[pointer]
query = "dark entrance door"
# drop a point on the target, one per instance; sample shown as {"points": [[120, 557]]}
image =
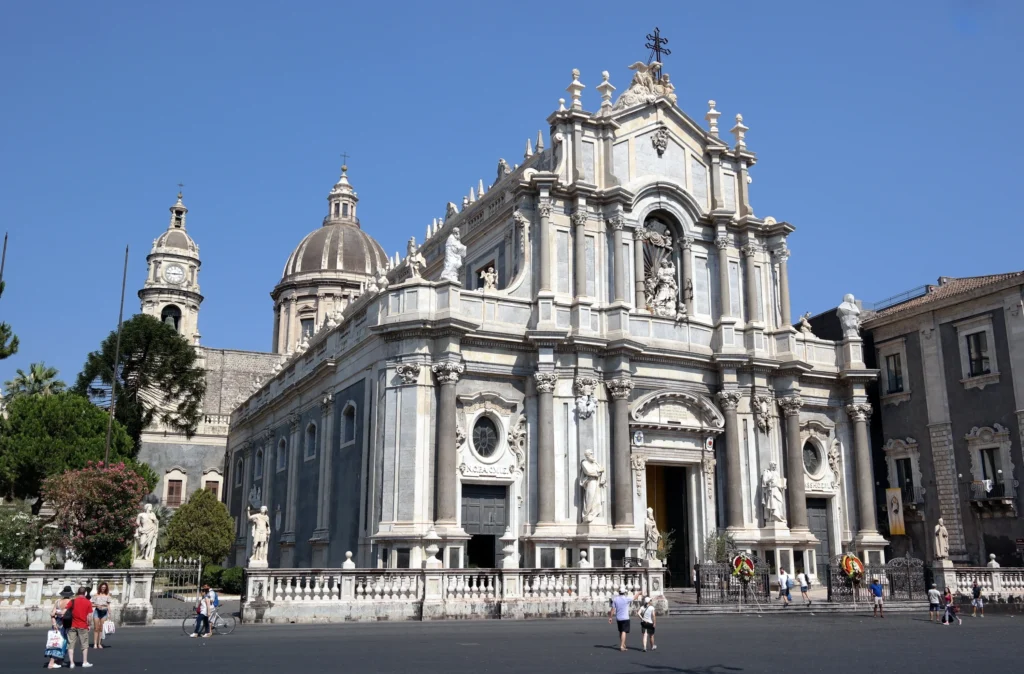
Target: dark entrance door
{"points": [[817, 520], [483, 517], [667, 494]]}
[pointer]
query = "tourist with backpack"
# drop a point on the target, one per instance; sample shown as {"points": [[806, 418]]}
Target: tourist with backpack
{"points": [[785, 585], [203, 615], [805, 585], [647, 622], [58, 615]]}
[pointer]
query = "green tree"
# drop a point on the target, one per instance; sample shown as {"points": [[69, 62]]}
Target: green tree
{"points": [[95, 511], [46, 435], [39, 380], [201, 527], [8, 340], [719, 547], [158, 380], [20, 534]]}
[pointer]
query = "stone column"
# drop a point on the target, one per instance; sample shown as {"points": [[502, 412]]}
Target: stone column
{"points": [[724, 296], [545, 382], [292, 497], [782, 254], [753, 305], [729, 401], [622, 482], [579, 221], [245, 453], [544, 236], [639, 236], [686, 253], [859, 413], [446, 493], [796, 489], [619, 259], [326, 457]]}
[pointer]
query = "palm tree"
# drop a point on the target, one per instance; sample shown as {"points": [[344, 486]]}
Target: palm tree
{"points": [[40, 380]]}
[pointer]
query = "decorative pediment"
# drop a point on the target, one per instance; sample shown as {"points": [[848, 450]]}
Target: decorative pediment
{"points": [[816, 429], [486, 400], [677, 410], [996, 435]]}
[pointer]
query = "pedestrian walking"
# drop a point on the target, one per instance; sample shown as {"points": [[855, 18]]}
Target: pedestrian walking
{"points": [[202, 617], [876, 591], [100, 606], [80, 608], [934, 605], [805, 586], [619, 612], [950, 613], [647, 622], [60, 621], [977, 603], [785, 585]]}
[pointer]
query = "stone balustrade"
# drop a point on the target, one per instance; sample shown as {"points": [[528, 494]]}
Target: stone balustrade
{"points": [[27, 597], [344, 595], [997, 584]]}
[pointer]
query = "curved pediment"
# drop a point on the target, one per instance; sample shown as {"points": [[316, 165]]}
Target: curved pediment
{"points": [[677, 409]]}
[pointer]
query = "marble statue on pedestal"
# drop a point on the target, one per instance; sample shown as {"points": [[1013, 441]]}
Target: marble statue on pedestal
{"points": [[146, 529], [652, 537], [260, 535], [771, 494], [414, 259], [592, 478], [849, 317], [454, 254], [941, 541]]}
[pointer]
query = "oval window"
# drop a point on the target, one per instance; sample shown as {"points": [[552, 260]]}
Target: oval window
{"points": [[812, 459], [485, 436]]}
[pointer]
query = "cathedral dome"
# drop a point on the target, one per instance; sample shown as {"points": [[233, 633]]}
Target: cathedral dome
{"points": [[337, 247], [176, 238]]}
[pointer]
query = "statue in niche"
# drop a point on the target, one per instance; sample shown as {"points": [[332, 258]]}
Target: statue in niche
{"points": [[592, 478], [489, 277], [662, 290], [652, 537], [771, 494], [260, 533], [454, 254], [849, 317], [941, 541], [414, 259], [147, 527]]}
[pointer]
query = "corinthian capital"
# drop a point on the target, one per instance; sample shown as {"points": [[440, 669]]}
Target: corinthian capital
{"points": [[579, 218], [791, 405], [640, 233], [858, 411], [781, 254], [729, 400], [686, 242], [544, 209], [616, 221], [545, 381], [619, 388], [721, 242], [447, 372]]}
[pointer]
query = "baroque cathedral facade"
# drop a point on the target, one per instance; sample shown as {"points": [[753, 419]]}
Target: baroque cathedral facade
{"points": [[603, 333]]}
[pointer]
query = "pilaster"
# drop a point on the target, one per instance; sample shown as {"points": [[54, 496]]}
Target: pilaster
{"points": [[622, 494]]}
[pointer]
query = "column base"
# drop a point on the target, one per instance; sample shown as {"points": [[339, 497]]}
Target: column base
{"points": [[288, 554]]}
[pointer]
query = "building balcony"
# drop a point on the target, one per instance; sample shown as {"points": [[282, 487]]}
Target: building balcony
{"points": [[913, 496], [994, 498]]}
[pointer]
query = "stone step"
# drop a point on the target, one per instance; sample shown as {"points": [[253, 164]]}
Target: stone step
{"points": [[797, 609]]}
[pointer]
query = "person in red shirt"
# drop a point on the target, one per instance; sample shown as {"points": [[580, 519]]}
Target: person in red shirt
{"points": [[80, 608]]}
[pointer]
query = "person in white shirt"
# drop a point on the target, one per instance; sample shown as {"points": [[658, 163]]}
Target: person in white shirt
{"points": [[805, 584], [647, 621], [934, 603], [784, 581]]}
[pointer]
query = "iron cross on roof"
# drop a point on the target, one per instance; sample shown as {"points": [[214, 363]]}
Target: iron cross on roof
{"points": [[655, 42]]}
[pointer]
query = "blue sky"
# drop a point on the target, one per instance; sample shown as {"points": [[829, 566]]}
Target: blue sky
{"points": [[877, 127]]}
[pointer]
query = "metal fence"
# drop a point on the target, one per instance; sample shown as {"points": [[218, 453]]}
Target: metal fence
{"points": [[902, 579], [175, 587], [716, 584]]}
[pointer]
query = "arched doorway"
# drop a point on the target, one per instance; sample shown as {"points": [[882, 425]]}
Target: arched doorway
{"points": [[171, 315]]}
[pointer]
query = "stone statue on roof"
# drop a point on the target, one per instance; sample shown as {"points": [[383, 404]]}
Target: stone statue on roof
{"points": [[454, 254], [645, 87], [849, 317]]}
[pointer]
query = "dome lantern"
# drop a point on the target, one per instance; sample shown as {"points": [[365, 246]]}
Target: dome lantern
{"points": [[342, 201]]}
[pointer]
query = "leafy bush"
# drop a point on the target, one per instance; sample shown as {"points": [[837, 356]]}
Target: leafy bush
{"points": [[719, 547], [231, 580], [202, 527], [19, 532], [211, 574]]}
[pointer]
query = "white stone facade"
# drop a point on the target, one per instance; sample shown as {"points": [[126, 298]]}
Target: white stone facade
{"points": [[640, 311]]}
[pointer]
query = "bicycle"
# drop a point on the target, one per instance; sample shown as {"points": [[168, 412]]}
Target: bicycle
{"points": [[218, 624]]}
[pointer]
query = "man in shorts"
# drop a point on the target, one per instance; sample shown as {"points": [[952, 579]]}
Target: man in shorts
{"points": [[619, 612], [977, 603], [876, 592], [934, 603]]}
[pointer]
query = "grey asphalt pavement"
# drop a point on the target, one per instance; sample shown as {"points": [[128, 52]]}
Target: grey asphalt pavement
{"points": [[687, 645]]}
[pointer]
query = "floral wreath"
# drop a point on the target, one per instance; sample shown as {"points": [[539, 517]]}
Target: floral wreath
{"points": [[852, 567], [743, 567]]}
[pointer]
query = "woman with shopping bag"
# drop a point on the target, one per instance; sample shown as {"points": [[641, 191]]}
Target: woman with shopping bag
{"points": [[57, 637]]}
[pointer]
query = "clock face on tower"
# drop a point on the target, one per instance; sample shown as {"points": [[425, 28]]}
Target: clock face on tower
{"points": [[174, 274]]}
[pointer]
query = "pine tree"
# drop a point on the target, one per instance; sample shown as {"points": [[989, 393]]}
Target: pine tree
{"points": [[8, 340]]}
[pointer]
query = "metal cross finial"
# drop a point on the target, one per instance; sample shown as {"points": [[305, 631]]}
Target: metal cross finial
{"points": [[344, 160], [655, 43]]}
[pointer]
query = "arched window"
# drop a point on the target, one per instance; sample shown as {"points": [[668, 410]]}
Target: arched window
{"points": [[282, 455], [310, 441], [171, 315], [348, 425], [239, 470], [257, 469], [344, 210], [336, 209]]}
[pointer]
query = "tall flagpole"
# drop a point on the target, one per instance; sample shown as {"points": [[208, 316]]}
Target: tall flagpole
{"points": [[117, 359]]}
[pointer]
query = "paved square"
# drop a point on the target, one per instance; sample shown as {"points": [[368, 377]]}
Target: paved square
{"points": [[687, 645]]}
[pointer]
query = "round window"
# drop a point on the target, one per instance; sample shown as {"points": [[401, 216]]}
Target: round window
{"points": [[485, 436], [812, 459]]}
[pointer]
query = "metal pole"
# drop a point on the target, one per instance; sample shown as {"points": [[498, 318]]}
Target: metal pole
{"points": [[117, 358], [3, 259]]}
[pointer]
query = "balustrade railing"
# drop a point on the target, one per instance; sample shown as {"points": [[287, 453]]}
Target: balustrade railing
{"points": [[40, 589], [996, 584]]}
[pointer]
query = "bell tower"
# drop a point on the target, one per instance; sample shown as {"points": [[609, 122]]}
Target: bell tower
{"points": [[171, 291]]}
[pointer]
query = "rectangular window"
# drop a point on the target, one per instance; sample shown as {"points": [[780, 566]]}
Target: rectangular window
{"points": [[454, 558], [547, 558], [173, 493], [213, 487], [618, 557], [905, 478], [344, 210], [307, 326], [701, 287], [402, 561], [893, 373], [757, 313], [600, 558], [977, 353], [990, 464], [735, 290]]}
